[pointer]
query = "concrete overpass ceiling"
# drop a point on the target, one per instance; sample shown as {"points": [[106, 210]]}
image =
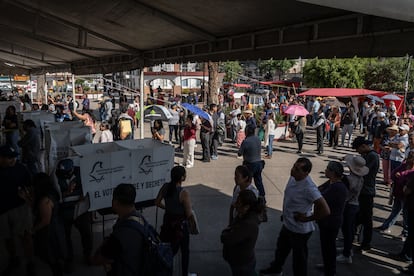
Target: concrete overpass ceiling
{"points": [[395, 9], [113, 35]]}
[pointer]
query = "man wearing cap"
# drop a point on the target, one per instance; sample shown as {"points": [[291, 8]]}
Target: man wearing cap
{"points": [[399, 147], [366, 197], [15, 214]]}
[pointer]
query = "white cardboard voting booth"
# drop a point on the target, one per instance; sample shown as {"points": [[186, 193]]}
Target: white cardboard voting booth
{"points": [[59, 137], [144, 163]]}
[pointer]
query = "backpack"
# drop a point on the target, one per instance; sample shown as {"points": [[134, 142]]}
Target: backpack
{"points": [[158, 260], [125, 128]]}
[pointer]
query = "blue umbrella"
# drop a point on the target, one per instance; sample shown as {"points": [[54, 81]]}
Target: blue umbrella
{"points": [[196, 110]]}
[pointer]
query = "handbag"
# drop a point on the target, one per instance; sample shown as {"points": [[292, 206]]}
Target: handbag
{"points": [[193, 224]]}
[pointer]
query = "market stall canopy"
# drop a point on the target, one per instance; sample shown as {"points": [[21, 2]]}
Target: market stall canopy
{"points": [[110, 36], [339, 92], [242, 85]]}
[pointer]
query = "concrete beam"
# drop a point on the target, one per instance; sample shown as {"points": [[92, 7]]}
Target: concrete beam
{"points": [[395, 9]]}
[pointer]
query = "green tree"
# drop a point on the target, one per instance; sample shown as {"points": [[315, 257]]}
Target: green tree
{"points": [[232, 70], [335, 72], [270, 67], [388, 74]]}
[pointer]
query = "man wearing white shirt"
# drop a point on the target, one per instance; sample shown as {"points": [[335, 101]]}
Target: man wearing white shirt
{"points": [[301, 196]]}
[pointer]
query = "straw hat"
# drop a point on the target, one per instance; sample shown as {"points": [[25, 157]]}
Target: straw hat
{"points": [[394, 127], [248, 111], [357, 165]]}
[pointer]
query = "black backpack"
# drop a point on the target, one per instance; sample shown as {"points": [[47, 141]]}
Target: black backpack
{"points": [[158, 257]]}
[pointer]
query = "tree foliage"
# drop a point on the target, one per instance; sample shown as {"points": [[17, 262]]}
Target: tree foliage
{"points": [[270, 66], [385, 74], [337, 73], [388, 74], [232, 70]]}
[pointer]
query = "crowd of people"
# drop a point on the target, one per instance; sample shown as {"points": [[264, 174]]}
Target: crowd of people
{"points": [[40, 214]]}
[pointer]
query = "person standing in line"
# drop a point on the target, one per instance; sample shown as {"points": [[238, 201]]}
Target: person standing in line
{"points": [[243, 181], [189, 142], [85, 103], [335, 119], [48, 230], [30, 144], [270, 135], [354, 182], [400, 177], [366, 197], [409, 243], [301, 197], [300, 127], [205, 134], [11, 128], [106, 133], [349, 120], [315, 108], [319, 125], [250, 119], [399, 146], [250, 149], [123, 252], [15, 213], [173, 124], [239, 238], [158, 131], [70, 185], [241, 133], [181, 127], [136, 108], [218, 133], [390, 136], [178, 211], [334, 192]]}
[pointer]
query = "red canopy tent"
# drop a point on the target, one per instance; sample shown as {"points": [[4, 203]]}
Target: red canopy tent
{"points": [[353, 92], [340, 92], [242, 85]]}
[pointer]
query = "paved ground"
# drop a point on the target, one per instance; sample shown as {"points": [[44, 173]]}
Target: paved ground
{"points": [[211, 184]]}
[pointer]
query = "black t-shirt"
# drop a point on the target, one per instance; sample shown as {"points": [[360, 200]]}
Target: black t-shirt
{"points": [[11, 179]]}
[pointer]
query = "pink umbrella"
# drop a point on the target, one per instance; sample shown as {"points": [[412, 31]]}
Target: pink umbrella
{"points": [[296, 110]]}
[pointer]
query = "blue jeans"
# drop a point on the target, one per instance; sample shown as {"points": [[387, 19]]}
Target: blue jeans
{"points": [[270, 145], [397, 206], [348, 227], [244, 270], [256, 169]]}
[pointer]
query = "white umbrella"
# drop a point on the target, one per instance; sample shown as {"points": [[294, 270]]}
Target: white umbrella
{"points": [[391, 97]]}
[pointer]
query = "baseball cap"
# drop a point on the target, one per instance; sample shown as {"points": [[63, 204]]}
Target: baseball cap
{"points": [[359, 141], [7, 151]]}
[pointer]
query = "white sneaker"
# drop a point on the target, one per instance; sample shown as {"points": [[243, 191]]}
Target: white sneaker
{"points": [[344, 260]]}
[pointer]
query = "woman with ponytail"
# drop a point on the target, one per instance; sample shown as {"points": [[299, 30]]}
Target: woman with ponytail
{"points": [[239, 238], [177, 204]]}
